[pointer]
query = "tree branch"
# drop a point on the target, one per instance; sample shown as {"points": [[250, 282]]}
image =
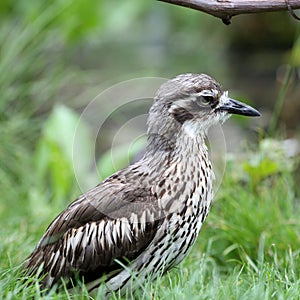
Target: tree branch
{"points": [[225, 9]]}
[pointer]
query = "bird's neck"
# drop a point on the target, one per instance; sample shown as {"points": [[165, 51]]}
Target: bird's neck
{"points": [[182, 148], [181, 174], [193, 146]]}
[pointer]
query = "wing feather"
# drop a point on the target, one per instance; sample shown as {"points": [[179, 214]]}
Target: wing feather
{"points": [[97, 229]]}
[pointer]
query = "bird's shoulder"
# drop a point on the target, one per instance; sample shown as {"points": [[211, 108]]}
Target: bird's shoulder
{"points": [[125, 195]]}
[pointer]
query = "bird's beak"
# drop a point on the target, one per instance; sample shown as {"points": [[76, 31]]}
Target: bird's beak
{"points": [[235, 107]]}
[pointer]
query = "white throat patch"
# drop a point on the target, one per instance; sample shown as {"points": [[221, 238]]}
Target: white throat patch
{"points": [[192, 129]]}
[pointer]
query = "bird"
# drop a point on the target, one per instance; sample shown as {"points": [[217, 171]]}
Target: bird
{"points": [[142, 221]]}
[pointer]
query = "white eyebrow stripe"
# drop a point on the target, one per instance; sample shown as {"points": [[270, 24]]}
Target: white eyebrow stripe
{"points": [[214, 93]]}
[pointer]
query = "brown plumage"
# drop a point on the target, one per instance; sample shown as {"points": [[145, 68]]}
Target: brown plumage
{"points": [[148, 215]]}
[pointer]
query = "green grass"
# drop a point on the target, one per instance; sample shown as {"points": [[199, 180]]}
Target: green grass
{"points": [[248, 248]]}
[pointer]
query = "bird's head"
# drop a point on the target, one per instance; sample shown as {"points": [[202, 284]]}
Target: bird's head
{"points": [[193, 102]]}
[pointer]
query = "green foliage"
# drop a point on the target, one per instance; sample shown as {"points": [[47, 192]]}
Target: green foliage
{"points": [[24, 69], [25, 73], [271, 159], [119, 157], [293, 63], [256, 218], [295, 52], [260, 168], [54, 153], [75, 18]]}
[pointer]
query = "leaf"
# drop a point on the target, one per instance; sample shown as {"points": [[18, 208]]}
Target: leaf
{"points": [[261, 169], [54, 154]]}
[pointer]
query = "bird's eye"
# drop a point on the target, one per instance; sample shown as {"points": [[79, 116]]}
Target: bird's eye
{"points": [[209, 99], [205, 100]]}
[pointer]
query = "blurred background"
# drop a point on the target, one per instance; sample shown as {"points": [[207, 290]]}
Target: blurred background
{"points": [[56, 56]]}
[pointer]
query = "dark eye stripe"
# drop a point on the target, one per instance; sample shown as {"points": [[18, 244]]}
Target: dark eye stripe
{"points": [[181, 115]]}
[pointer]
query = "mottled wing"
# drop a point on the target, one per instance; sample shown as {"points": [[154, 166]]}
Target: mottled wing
{"points": [[113, 221]]}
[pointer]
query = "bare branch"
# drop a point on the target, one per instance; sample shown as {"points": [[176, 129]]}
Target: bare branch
{"points": [[225, 9]]}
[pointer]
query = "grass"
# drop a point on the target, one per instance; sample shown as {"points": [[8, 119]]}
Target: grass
{"points": [[248, 249]]}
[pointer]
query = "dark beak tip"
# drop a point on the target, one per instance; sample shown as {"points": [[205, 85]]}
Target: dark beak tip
{"points": [[254, 113]]}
